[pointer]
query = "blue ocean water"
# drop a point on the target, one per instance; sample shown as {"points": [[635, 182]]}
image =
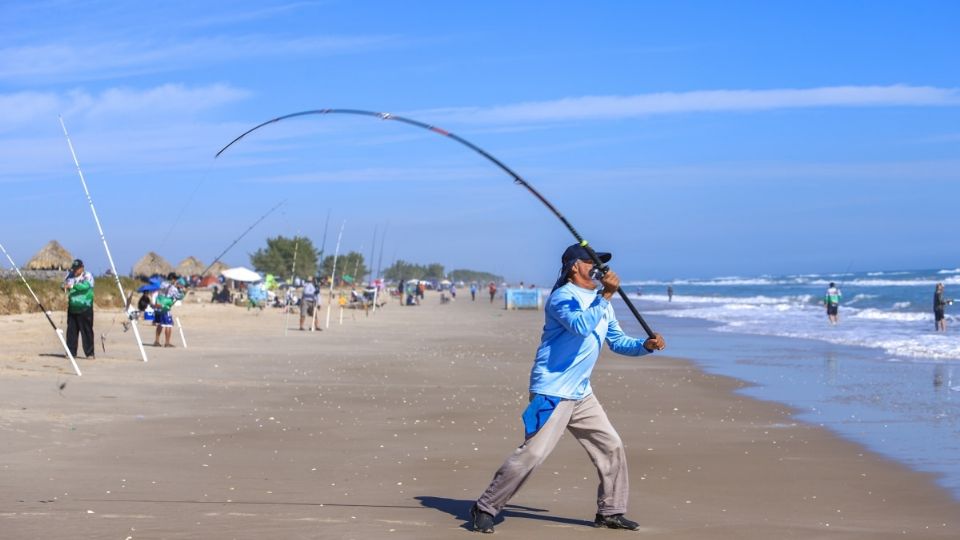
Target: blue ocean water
{"points": [[882, 377]]}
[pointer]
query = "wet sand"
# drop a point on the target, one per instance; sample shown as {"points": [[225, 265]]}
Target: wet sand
{"points": [[388, 426]]}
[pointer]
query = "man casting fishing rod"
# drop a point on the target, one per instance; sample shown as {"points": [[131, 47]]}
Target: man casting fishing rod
{"points": [[579, 318]]}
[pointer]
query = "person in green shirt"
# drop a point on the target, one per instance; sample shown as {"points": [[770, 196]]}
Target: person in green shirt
{"points": [[832, 300], [79, 287], [166, 297]]}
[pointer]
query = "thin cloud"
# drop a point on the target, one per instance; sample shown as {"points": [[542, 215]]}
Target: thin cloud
{"points": [[164, 99], [168, 100], [381, 174], [234, 16], [640, 105], [750, 172], [67, 61]]}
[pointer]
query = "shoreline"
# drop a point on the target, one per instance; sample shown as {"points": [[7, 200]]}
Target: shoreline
{"points": [[859, 393], [390, 425]]}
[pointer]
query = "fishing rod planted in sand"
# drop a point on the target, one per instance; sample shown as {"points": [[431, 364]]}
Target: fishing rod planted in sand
{"points": [[333, 275], [103, 238], [250, 228], [59, 332], [516, 178], [293, 277]]}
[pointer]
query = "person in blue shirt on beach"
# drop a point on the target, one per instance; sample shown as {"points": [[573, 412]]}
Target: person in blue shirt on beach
{"points": [[579, 318]]}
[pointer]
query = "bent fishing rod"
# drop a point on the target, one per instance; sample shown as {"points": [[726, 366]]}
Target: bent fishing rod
{"points": [[516, 178], [250, 228], [59, 332]]}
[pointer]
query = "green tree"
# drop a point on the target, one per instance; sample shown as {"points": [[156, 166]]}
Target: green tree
{"points": [[472, 275], [277, 257], [349, 264], [434, 271], [403, 270]]}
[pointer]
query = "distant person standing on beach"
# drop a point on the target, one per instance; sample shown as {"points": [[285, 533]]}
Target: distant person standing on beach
{"points": [[669, 293], [579, 318], [473, 291], [832, 300], [492, 287], [939, 303], [167, 296], [401, 289], [79, 287], [308, 303]]}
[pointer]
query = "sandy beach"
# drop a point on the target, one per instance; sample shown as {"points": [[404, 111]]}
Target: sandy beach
{"points": [[390, 425]]}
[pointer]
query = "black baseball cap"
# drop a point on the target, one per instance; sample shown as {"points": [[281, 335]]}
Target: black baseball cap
{"points": [[77, 263], [577, 252]]}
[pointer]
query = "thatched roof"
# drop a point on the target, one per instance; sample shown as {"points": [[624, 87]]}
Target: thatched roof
{"points": [[53, 256], [190, 266], [151, 264], [216, 269]]}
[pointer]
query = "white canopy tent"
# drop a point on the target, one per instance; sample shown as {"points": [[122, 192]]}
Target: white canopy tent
{"points": [[241, 273]]}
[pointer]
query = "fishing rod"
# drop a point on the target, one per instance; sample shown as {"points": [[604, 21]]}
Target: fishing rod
{"points": [[373, 252], [356, 267], [59, 332], [323, 244], [103, 238], [376, 290], [516, 178], [250, 228], [380, 258], [333, 275], [293, 277]]}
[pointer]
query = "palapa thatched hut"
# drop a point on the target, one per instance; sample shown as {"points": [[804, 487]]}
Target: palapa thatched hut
{"points": [[217, 268], [191, 266], [151, 264], [53, 256]]}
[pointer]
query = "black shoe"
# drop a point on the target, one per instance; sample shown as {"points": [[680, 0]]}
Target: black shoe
{"points": [[616, 521], [482, 521]]}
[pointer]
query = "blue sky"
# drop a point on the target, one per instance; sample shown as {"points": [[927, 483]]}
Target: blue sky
{"points": [[689, 138]]}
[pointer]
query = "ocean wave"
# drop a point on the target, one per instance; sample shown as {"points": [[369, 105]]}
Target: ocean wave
{"points": [[900, 305], [880, 315], [955, 280], [861, 297], [712, 282], [907, 335], [760, 300]]}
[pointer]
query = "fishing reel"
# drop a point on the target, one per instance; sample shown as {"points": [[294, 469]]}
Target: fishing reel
{"points": [[597, 272]]}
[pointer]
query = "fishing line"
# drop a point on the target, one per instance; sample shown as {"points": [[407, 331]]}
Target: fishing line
{"points": [[183, 208], [130, 321], [250, 228], [516, 178]]}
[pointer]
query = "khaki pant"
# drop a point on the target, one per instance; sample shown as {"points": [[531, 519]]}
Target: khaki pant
{"points": [[588, 423]]}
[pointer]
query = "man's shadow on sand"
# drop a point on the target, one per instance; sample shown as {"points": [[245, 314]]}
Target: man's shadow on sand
{"points": [[460, 509]]}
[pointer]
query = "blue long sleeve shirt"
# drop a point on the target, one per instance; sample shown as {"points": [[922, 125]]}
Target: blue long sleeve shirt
{"points": [[578, 321]]}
